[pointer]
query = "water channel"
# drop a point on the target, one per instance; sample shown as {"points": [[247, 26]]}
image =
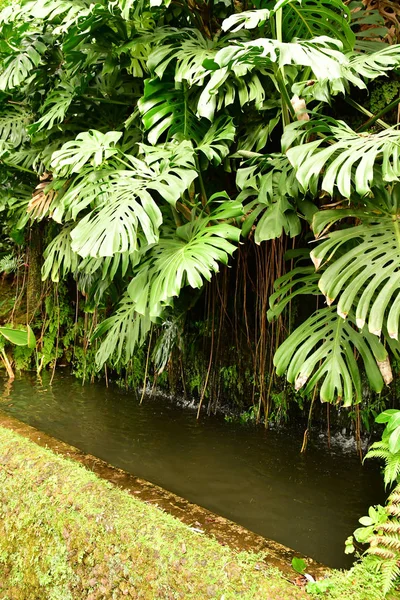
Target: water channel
{"points": [[259, 479]]}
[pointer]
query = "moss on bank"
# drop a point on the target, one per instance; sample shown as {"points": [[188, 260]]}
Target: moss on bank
{"points": [[66, 534]]}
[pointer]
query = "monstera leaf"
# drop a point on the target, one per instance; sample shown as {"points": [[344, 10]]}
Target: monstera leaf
{"points": [[361, 267], [185, 51], [303, 19], [92, 146], [326, 351], [301, 280], [306, 19], [54, 108], [188, 257], [124, 331], [349, 163], [125, 201], [321, 351], [50, 9], [217, 140], [248, 19], [272, 181], [166, 109], [59, 257], [17, 67], [13, 125]]}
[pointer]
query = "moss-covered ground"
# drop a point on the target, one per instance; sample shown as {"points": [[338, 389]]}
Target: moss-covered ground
{"points": [[66, 534]]}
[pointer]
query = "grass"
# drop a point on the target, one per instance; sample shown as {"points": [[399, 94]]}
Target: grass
{"points": [[65, 534]]}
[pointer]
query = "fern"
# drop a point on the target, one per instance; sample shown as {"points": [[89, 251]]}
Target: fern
{"points": [[385, 544], [9, 264], [392, 461]]}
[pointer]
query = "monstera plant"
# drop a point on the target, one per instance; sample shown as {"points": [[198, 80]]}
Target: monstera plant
{"points": [[155, 135]]}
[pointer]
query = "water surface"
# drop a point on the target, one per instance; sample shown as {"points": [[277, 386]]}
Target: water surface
{"points": [[259, 479]]}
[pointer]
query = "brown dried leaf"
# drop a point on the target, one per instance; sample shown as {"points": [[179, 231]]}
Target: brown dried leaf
{"points": [[386, 370]]}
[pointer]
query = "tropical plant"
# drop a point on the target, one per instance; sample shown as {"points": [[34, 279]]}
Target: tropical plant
{"points": [[18, 337], [381, 527], [126, 121]]}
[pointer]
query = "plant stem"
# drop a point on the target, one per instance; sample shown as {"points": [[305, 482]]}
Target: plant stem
{"points": [[202, 188], [376, 118], [105, 100], [287, 109], [7, 365], [366, 112]]}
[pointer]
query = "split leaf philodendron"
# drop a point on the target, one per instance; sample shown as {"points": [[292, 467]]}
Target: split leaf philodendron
{"points": [[157, 137]]}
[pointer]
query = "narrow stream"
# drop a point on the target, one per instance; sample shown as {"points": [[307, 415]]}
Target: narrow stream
{"points": [[259, 479]]}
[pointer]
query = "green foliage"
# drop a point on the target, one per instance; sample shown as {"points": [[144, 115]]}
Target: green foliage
{"points": [[381, 528], [299, 565], [163, 133], [388, 448], [9, 264], [19, 337]]}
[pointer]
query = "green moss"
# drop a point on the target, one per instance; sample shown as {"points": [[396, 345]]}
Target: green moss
{"points": [[65, 534]]}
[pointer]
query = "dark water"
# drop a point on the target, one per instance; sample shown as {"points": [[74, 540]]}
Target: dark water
{"points": [[256, 478]]}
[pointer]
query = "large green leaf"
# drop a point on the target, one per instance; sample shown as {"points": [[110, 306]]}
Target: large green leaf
{"points": [[247, 19], [56, 106], [237, 66], [188, 257], [306, 19], [14, 121], [302, 19], [16, 68], [166, 109], [341, 158], [272, 181], [321, 351], [19, 337], [331, 71], [301, 280], [123, 332], [59, 257], [125, 198], [50, 10], [92, 146], [216, 142], [361, 268], [185, 50]]}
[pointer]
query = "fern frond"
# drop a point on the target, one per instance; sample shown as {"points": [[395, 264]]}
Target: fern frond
{"points": [[383, 553], [390, 573], [394, 510], [392, 461], [389, 540], [385, 543], [391, 526]]}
